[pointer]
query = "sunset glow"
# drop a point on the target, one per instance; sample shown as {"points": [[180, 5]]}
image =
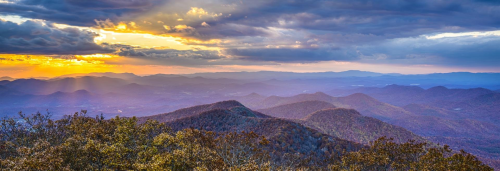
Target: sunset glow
{"points": [[283, 84], [227, 37]]}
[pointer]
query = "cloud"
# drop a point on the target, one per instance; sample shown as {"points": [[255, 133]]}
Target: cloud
{"points": [[197, 11], [391, 19], [394, 18], [77, 12], [36, 37], [359, 18], [291, 55], [472, 51], [171, 56], [464, 51], [391, 31]]}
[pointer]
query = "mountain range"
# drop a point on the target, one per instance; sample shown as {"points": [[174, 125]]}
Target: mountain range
{"points": [[232, 116], [404, 95], [349, 124], [355, 107], [324, 131], [6, 78], [297, 110], [344, 123], [438, 123], [366, 105]]}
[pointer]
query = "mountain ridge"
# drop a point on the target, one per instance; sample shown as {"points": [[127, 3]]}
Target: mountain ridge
{"points": [[363, 103], [194, 110], [296, 110], [403, 95], [232, 116], [349, 124]]}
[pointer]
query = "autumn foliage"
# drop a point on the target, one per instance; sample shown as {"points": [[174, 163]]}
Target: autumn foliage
{"points": [[79, 142]]}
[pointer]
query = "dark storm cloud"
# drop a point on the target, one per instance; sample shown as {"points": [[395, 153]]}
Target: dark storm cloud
{"points": [[76, 12], [469, 51], [130, 51], [344, 23], [228, 30], [291, 55], [36, 38], [392, 17], [170, 56], [370, 31], [388, 31]]}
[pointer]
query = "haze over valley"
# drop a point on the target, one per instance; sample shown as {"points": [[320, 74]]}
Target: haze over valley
{"points": [[268, 85], [355, 106]]}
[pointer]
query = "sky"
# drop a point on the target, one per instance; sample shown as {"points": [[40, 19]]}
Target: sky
{"points": [[47, 38]]}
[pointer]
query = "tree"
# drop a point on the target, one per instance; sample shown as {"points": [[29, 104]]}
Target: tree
{"points": [[79, 142], [385, 154]]}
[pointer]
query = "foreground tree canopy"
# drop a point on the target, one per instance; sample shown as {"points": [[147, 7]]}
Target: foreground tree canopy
{"points": [[79, 142]]}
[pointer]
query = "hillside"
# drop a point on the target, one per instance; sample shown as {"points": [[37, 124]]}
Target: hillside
{"points": [[427, 110], [483, 108], [273, 101], [80, 142], [250, 99], [486, 148], [7, 91], [297, 110], [284, 135], [134, 89], [195, 110], [436, 126], [400, 95], [369, 106], [43, 87], [365, 104], [350, 125]]}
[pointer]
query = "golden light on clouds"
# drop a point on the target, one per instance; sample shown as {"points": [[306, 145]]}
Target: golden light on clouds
{"points": [[124, 33], [202, 42], [145, 40], [167, 27], [25, 66], [49, 66], [200, 12], [96, 56], [121, 27], [183, 28], [53, 61], [133, 24]]}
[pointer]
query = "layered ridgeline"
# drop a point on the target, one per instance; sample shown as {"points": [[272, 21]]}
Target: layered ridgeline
{"points": [[212, 139], [462, 118], [473, 118], [350, 125], [403, 95], [457, 104], [296, 110], [196, 110], [338, 128], [344, 123], [284, 135], [470, 124], [365, 104]]}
